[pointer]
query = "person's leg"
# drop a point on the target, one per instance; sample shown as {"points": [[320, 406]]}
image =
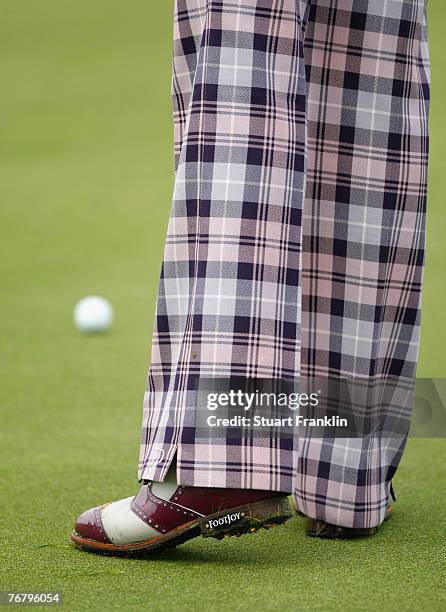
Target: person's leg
{"points": [[229, 299], [363, 238], [229, 296]]}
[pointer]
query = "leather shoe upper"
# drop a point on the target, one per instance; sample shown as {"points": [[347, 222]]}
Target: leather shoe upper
{"points": [[89, 525]]}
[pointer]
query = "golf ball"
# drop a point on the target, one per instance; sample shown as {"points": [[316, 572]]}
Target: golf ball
{"points": [[93, 314]]}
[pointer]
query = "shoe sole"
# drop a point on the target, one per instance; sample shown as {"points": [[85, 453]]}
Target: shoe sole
{"points": [[320, 529], [228, 523]]}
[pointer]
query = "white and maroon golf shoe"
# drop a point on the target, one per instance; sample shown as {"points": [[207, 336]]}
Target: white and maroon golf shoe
{"points": [[163, 515]]}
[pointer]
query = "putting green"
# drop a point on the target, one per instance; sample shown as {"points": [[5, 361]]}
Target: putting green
{"points": [[85, 186]]}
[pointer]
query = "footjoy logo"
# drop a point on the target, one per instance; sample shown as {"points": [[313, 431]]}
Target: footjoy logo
{"points": [[224, 520]]}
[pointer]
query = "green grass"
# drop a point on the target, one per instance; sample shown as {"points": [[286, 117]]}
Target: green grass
{"points": [[85, 187]]}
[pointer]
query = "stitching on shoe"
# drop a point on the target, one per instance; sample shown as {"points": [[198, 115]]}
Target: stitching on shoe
{"points": [[99, 524], [157, 501], [161, 502]]}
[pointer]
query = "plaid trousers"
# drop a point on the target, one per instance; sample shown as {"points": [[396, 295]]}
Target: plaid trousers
{"points": [[295, 243]]}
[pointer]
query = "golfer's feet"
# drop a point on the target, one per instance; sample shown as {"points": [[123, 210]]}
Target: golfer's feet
{"points": [[320, 529], [162, 515]]}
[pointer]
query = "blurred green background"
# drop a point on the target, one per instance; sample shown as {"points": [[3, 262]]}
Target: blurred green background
{"points": [[86, 177]]}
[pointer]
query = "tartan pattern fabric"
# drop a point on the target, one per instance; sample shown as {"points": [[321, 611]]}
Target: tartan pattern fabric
{"points": [[295, 242], [363, 233]]}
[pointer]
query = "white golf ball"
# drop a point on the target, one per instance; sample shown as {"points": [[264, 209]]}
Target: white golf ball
{"points": [[93, 314]]}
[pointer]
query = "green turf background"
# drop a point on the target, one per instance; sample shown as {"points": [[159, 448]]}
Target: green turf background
{"points": [[85, 188]]}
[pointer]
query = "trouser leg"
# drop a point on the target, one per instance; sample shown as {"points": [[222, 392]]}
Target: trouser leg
{"points": [[363, 234], [229, 297]]}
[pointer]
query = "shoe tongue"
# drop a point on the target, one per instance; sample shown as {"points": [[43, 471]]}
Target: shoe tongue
{"points": [[165, 490]]}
